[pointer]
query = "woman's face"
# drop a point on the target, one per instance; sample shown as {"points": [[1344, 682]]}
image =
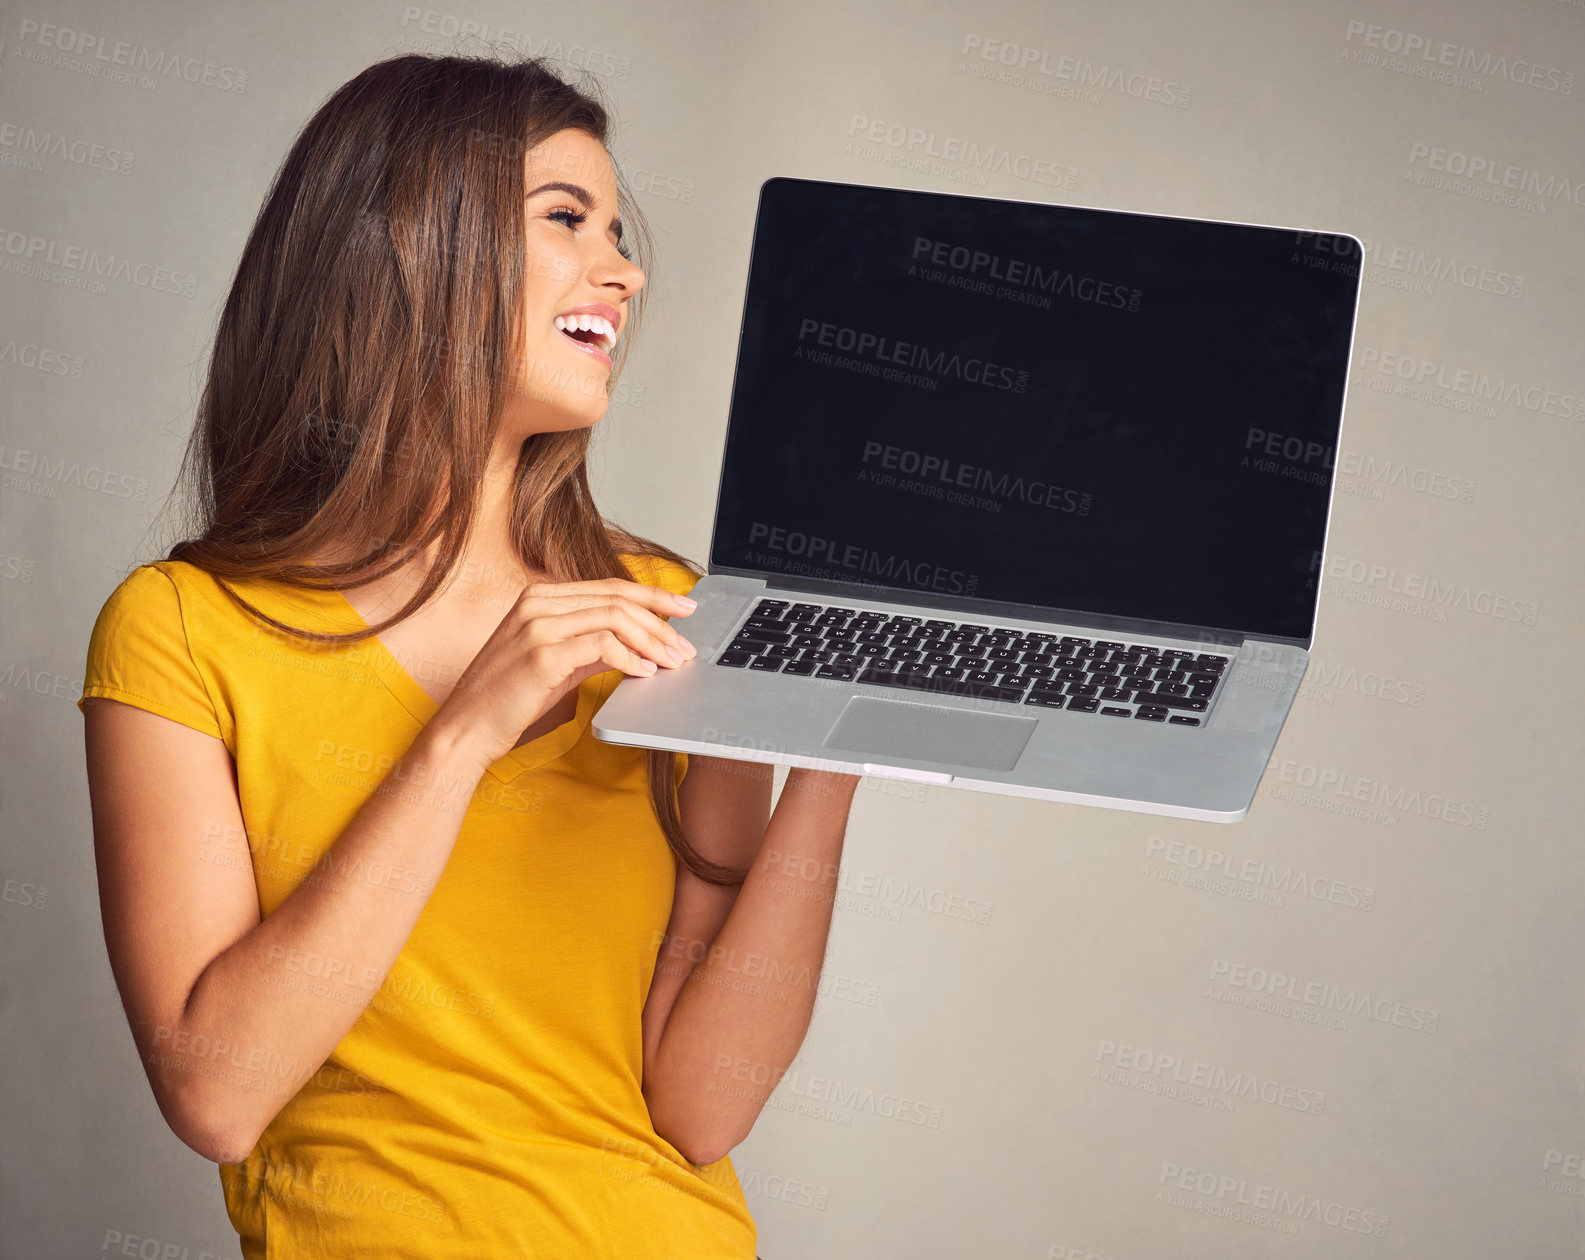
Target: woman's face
{"points": [[574, 275]]}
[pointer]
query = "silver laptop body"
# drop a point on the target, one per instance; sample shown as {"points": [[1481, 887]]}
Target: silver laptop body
{"points": [[1016, 497]]}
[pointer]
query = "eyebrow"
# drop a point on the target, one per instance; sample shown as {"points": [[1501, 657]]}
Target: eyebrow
{"points": [[583, 195]]}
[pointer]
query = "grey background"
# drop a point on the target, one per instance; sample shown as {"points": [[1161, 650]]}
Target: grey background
{"points": [[958, 1093]]}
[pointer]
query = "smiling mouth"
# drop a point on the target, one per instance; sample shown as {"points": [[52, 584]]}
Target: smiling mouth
{"points": [[591, 333]]}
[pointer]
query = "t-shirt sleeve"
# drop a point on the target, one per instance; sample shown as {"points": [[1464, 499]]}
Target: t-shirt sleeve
{"points": [[139, 653]]}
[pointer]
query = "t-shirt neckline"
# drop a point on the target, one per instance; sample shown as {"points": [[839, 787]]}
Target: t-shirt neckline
{"points": [[407, 692]]}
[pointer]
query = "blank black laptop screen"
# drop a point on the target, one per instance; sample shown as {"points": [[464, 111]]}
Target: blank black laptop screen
{"points": [[1054, 406]]}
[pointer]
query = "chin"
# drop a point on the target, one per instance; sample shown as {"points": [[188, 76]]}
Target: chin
{"points": [[559, 411]]}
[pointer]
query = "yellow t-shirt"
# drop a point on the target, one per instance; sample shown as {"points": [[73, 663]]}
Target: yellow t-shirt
{"points": [[487, 1101]]}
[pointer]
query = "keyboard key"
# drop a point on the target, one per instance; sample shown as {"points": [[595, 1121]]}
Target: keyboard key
{"points": [[1047, 699], [783, 651], [770, 664], [1196, 704], [1151, 715], [1082, 689], [766, 605], [1184, 721], [1115, 693], [1083, 704], [800, 667], [761, 635], [735, 658], [845, 673], [1116, 712]]}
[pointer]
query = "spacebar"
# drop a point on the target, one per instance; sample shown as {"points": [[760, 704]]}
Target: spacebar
{"points": [[940, 686]]}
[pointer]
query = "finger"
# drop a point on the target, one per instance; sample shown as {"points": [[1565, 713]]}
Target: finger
{"points": [[639, 630], [562, 657], [530, 609], [656, 598]]}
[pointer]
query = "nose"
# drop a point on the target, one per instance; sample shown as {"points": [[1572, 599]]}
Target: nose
{"points": [[614, 271]]}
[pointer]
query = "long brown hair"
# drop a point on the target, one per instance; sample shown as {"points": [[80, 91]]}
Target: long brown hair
{"points": [[356, 380]]}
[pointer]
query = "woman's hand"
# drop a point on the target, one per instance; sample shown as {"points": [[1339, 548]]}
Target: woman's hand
{"points": [[553, 637]]}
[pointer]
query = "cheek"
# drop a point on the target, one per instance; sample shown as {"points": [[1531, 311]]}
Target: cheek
{"points": [[549, 263]]}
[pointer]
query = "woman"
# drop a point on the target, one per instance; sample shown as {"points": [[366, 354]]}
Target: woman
{"points": [[427, 969]]}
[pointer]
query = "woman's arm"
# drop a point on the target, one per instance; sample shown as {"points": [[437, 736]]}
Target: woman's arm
{"points": [[744, 995], [226, 1030], [225, 1027]]}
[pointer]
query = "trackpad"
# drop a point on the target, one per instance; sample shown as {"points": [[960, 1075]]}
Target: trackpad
{"points": [[930, 732]]}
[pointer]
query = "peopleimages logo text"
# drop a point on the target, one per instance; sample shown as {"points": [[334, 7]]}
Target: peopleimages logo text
{"points": [[855, 557], [1274, 1199], [1052, 280], [952, 472], [883, 349], [1328, 996]]}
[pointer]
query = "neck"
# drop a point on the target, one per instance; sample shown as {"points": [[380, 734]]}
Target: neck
{"points": [[488, 565]]}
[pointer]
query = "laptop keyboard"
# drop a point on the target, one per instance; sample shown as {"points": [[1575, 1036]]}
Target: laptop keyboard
{"points": [[1025, 667]]}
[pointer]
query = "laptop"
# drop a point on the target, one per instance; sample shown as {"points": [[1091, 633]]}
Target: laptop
{"points": [[1016, 497]]}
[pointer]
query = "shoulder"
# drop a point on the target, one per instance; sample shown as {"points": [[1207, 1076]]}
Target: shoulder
{"points": [[159, 583], [148, 649], [173, 602], [147, 592], [659, 571]]}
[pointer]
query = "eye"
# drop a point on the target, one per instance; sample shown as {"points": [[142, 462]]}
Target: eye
{"points": [[576, 218]]}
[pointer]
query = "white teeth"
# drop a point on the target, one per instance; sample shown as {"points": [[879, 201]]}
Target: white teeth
{"points": [[584, 322]]}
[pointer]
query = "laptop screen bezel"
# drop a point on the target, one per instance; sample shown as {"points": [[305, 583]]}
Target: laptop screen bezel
{"points": [[972, 605]]}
